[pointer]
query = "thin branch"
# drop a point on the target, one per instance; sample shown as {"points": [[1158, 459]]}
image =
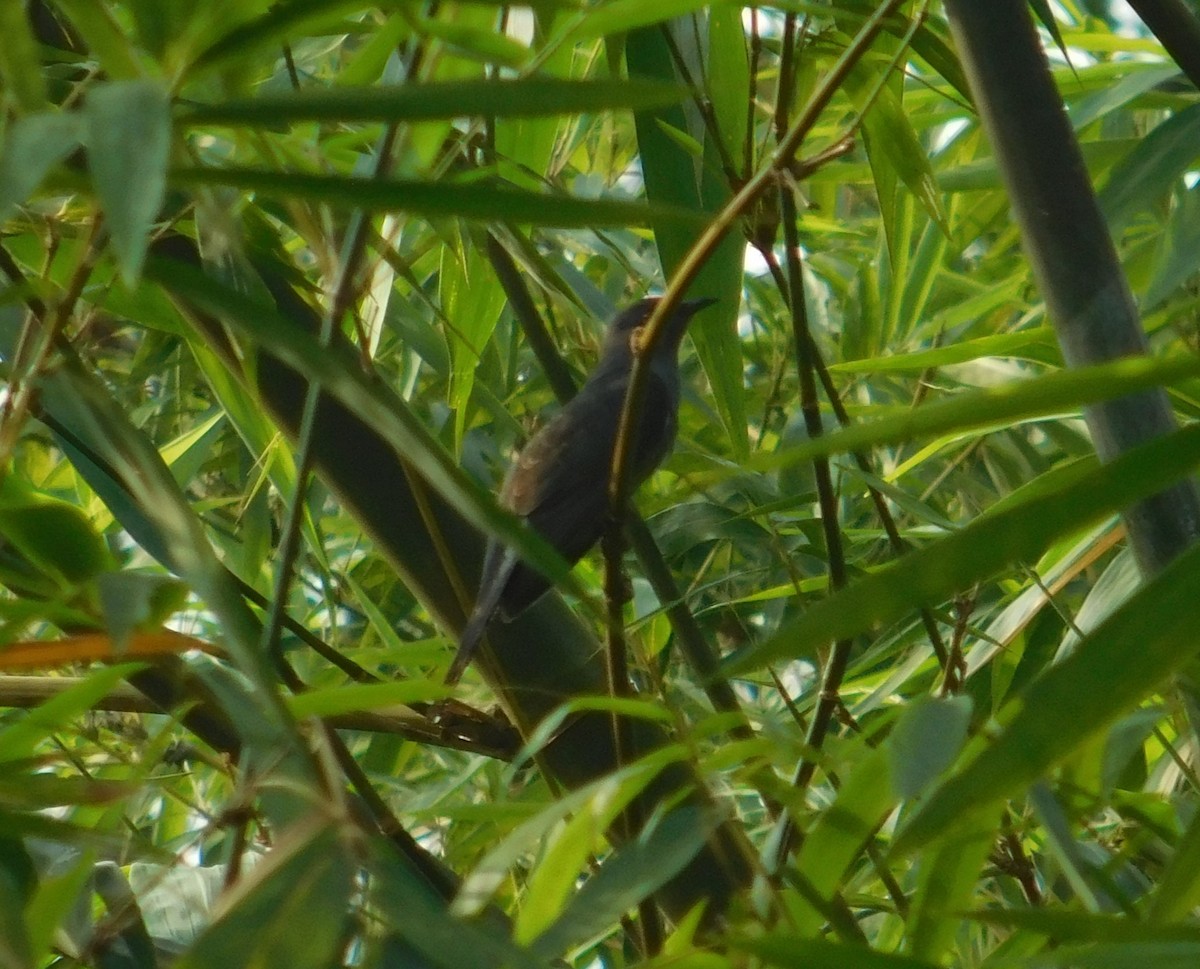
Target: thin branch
{"points": [[42, 332], [895, 540], [839, 656], [700, 656], [536, 334], [469, 732], [353, 248], [650, 932], [612, 546], [716, 231]]}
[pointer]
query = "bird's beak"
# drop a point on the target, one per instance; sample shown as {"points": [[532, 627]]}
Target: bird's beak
{"points": [[683, 314], [694, 306]]}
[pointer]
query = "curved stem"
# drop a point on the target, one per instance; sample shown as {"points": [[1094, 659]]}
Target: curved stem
{"points": [[715, 232]]}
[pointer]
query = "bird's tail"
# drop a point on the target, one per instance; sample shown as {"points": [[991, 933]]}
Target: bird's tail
{"points": [[467, 645], [494, 581]]}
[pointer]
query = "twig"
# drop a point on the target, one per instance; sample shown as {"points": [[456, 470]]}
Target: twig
{"points": [[352, 249], [713, 235]]}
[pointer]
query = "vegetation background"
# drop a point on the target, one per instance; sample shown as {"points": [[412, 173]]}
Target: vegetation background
{"points": [[902, 698]]}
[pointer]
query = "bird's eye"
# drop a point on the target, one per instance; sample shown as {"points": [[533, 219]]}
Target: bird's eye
{"points": [[635, 339]]}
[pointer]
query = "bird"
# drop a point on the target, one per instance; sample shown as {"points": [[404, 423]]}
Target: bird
{"points": [[559, 481]]}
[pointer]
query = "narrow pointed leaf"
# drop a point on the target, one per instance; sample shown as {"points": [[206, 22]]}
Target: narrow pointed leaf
{"points": [[438, 199], [1019, 533], [520, 98], [1073, 701], [128, 140]]}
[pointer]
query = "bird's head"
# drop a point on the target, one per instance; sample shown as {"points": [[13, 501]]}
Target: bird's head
{"points": [[628, 323]]}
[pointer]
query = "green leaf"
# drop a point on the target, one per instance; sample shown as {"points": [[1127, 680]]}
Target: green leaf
{"points": [[625, 16], [290, 911], [925, 741], [1072, 701], [1177, 892], [552, 884], [472, 301], [947, 880], [1061, 845], [364, 696], [729, 81], [17, 882], [32, 146], [157, 23], [57, 894], [1019, 533], [1181, 249], [18, 740], [105, 38], [1074, 926], [39, 792], [1141, 78], [799, 952], [634, 873], [20, 65], [893, 144], [270, 29], [1044, 14], [587, 812], [1130, 955], [407, 904], [186, 454], [1155, 164], [1034, 344], [138, 602], [81, 401], [53, 535], [1050, 394], [676, 182], [438, 199], [389, 415], [840, 831], [531, 97], [128, 140]]}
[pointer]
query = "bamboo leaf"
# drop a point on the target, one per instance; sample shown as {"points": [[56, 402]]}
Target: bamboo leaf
{"points": [[678, 181], [798, 952], [438, 199], [1071, 702], [1054, 393], [32, 146], [306, 880], [128, 139], [1146, 174], [628, 877], [532, 97], [386, 413], [20, 65], [1019, 533], [18, 740]]}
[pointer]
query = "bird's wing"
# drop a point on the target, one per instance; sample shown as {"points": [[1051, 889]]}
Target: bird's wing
{"points": [[569, 456], [559, 483], [560, 480]]}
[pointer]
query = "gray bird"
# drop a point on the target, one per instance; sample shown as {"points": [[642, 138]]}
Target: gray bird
{"points": [[559, 482]]}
